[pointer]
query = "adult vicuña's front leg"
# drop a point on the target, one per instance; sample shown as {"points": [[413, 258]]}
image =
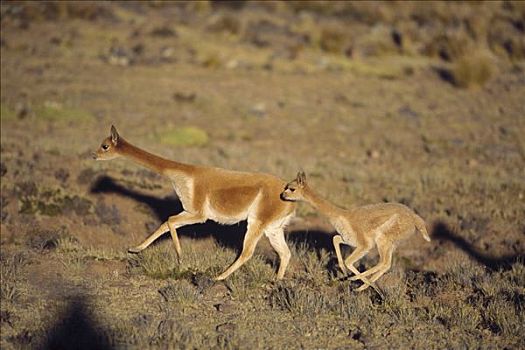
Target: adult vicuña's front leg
{"points": [[159, 232], [277, 241], [253, 234], [174, 222]]}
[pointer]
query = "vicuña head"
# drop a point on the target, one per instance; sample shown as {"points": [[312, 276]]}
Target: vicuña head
{"points": [[109, 147], [294, 190]]}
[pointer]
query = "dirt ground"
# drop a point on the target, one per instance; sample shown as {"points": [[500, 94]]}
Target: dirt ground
{"points": [[419, 103]]}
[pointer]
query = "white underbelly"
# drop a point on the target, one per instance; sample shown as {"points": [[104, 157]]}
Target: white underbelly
{"points": [[346, 231], [224, 219], [212, 213]]}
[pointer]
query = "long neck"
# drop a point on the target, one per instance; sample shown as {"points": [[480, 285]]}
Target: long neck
{"points": [[149, 160], [324, 206]]}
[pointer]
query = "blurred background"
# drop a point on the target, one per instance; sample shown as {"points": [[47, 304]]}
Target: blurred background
{"points": [[414, 102]]}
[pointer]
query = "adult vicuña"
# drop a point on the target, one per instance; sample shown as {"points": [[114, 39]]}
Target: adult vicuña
{"points": [[217, 194], [383, 225]]}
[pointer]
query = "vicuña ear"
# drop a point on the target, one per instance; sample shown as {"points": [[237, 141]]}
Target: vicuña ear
{"points": [[301, 178], [114, 135]]}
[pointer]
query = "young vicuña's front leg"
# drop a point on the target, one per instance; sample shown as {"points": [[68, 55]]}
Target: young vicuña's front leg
{"points": [[171, 225], [337, 240], [253, 234]]}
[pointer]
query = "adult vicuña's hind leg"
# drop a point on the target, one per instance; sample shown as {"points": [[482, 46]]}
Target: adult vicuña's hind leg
{"points": [[171, 225], [253, 234], [277, 241], [385, 248]]}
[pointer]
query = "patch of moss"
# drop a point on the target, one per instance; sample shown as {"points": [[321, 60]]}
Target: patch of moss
{"points": [[58, 112], [186, 136], [6, 113]]}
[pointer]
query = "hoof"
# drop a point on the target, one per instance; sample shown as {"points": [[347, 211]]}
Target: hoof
{"points": [[134, 250]]}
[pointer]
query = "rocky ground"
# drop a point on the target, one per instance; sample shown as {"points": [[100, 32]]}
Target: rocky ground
{"points": [[418, 103]]}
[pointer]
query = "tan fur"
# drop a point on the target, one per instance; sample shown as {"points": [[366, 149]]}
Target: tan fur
{"points": [[217, 194], [381, 225]]}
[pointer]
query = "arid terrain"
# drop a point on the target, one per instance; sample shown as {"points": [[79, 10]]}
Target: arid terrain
{"points": [[414, 102]]}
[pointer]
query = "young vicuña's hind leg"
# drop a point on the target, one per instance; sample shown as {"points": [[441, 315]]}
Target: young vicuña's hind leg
{"points": [[382, 245], [171, 225], [385, 247], [277, 241], [253, 234], [357, 254]]}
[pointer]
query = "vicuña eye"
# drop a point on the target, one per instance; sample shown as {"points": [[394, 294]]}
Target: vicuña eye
{"points": [[292, 189], [105, 147]]}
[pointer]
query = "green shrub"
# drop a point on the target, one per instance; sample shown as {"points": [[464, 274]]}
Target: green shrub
{"points": [[185, 136]]}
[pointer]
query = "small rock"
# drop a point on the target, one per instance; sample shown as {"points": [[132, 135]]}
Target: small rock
{"points": [[217, 290], [227, 306], [472, 163], [186, 97], [163, 32], [202, 281], [142, 320], [22, 110], [62, 175], [374, 154], [259, 110], [355, 334], [167, 53], [224, 23], [232, 64], [408, 112], [342, 99], [226, 327], [138, 49]]}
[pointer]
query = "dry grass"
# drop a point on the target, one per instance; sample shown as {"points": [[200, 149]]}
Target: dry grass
{"points": [[267, 91]]}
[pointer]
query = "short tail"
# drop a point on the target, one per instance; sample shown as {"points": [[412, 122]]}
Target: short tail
{"points": [[421, 227]]}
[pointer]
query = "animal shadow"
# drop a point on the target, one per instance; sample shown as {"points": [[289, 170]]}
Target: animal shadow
{"points": [[319, 241], [443, 232], [76, 329], [228, 236]]}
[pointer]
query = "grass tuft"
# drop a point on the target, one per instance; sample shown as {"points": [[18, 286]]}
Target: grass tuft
{"points": [[472, 70], [10, 267], [181, 293], [300, 299]]}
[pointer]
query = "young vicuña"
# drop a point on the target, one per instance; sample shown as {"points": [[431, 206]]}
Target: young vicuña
{"points": [[382, 225], [217, 194]]}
